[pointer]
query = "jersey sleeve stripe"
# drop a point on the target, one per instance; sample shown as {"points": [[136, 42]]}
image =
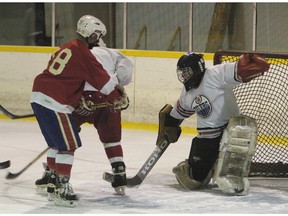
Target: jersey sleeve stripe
{"points": [[183, 112]]}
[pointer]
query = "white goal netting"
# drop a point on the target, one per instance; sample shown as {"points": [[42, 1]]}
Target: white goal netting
{"points": [[266, 99]]}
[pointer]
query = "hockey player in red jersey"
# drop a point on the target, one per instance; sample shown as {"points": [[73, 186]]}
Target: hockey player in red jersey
{"points": [[104, 112], [225, 143], [56, 93]]}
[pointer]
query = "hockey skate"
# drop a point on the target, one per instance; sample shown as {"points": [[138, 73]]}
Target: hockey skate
{"points": [[64, 195], [47, 183], [42, 183], [51, 186], [120, 181]]}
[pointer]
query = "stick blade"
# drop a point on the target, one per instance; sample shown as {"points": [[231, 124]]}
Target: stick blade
{"points": [[13, 116], [5, 164], [131, 182], [136, 181], [12, 175]]}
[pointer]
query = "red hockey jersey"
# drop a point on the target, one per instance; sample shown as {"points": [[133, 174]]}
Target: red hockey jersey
{"points": [[61, 84]]}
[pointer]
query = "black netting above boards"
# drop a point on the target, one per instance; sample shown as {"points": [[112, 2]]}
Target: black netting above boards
{"points": [[266, 100]]}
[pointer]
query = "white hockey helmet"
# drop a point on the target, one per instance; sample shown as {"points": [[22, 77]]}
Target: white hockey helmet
{"points": [[89, 24]]}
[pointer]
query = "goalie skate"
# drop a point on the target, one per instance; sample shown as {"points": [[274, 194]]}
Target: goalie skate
{"points": [[181, 173], [237, 148]]}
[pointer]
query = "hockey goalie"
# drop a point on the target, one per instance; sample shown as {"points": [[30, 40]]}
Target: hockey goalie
{"points": [[225, 144]]}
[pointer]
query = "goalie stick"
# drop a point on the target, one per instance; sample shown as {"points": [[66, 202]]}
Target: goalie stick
{"points": [[145, 169], [5, 164], [15, 175], [13, 116]]}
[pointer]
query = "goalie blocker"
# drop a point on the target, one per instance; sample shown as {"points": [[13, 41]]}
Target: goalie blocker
{"points": [[237, 148]]}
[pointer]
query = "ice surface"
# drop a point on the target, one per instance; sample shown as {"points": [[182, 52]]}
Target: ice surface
{"points": [[21, 141]]}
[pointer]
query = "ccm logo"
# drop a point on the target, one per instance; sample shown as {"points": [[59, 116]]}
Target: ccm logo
{"points": [[154, 157]]}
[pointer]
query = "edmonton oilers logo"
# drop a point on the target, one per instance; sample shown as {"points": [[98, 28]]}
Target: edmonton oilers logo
{"points": [[202, 106]]}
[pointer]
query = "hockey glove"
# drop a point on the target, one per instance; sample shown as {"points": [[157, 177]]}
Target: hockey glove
{"points": [[169, 127], [121, 102], [84, 107], [251, 66]]}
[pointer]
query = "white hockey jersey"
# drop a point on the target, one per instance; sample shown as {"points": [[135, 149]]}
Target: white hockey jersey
{"points": [[213, 101], [118, 66]]}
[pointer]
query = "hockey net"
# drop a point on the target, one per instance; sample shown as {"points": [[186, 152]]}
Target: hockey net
{"points": [[266, 100]]}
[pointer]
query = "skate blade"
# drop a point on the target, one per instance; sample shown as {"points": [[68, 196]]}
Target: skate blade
{"points": [[120, 190], [51, 196], [42, 190], [65, 203]]}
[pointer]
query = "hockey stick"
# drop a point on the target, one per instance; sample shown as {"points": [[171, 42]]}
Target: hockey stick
{"points": [[15, 175], [13, 116], [145, 169], [5, 164]]}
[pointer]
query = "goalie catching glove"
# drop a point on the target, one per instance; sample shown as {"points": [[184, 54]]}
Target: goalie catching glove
{"points": [[251, 66], [169, 127]]}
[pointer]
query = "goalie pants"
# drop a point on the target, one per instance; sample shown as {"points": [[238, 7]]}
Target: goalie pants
{"points": [[203, 155]]}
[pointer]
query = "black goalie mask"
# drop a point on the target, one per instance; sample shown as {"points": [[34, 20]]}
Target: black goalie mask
{"points": [[190, 70]]}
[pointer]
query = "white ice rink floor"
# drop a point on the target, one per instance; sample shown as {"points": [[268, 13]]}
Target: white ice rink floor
{"points": [[21, 141]]}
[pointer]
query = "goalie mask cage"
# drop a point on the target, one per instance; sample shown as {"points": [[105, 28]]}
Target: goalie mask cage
{"points": [[266, 100]]}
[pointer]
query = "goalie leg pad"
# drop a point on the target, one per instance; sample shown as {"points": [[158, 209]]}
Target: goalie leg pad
{"points": [[237, 148]]}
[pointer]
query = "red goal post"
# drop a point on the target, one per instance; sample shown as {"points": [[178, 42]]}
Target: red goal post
{"points": [[266, 99]]}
